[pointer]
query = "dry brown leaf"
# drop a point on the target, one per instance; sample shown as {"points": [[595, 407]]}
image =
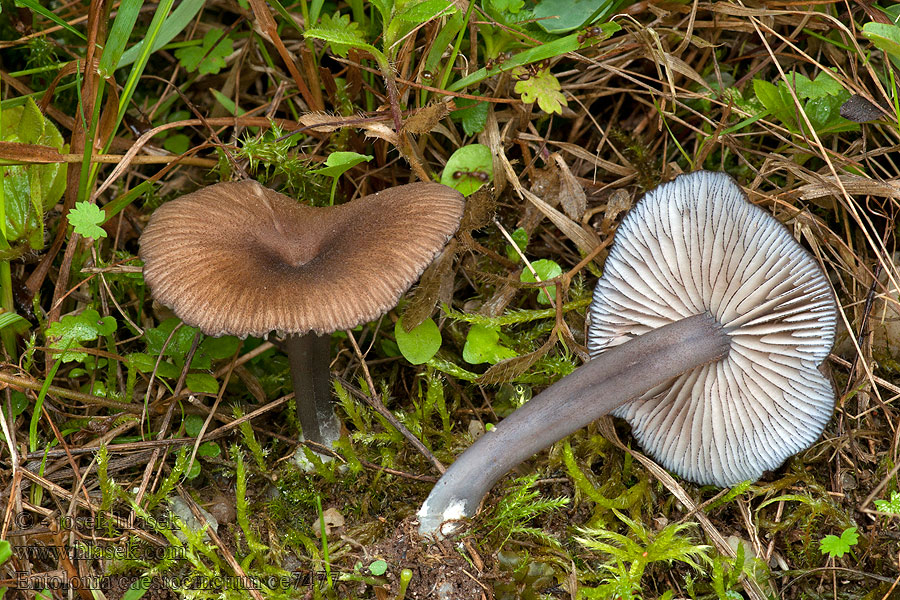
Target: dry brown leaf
{"points": [[479, 211], [382, 132], [509, 369], [854, 184], [29, 153], [426, 119], [431, 284], [322, 122], [571, 194]]}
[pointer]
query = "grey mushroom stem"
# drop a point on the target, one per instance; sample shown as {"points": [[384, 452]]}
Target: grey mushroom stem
{"points": [[310, 356], [620, 374]]}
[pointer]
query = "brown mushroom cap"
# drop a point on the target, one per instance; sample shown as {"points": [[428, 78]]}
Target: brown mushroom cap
{"points": [[240, 259]]}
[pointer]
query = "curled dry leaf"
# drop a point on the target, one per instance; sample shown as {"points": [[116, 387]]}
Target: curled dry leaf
{"points": [[479, 210], [509, 369], [332, 518], [322, 122], [436, 282], [425, 119], [571, 194], [382, 132]]}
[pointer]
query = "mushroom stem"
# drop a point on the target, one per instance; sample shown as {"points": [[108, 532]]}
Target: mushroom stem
{"points": [[618, 375], [310, 356]]}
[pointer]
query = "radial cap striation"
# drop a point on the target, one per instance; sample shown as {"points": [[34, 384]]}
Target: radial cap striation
{"points": [[241, 259], [698, 245]]}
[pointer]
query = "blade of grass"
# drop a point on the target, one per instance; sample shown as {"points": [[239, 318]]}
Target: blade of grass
{"points": [[176, 22], [47, 13], [119, 33]]}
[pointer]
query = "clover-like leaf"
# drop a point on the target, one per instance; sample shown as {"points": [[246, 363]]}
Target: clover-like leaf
{"points": [[890, 506], [73, 330], [835, 546], [86, 218], [541, 87]]}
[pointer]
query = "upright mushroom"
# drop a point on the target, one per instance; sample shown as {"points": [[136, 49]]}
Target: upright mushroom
{"points": [[240, 259], [706, 332]]}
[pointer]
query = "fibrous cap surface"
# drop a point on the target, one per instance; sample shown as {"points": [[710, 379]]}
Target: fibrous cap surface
{"points": [[241, 259]]}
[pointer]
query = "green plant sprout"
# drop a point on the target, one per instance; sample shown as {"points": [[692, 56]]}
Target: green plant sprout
{"points": [[337, 164], [632, 555], [539, 85], [891, 506], [86, 219], [836, 547]]}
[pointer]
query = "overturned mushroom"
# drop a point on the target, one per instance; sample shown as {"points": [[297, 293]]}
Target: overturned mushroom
{"points": [[706, 333], [240, 259]]}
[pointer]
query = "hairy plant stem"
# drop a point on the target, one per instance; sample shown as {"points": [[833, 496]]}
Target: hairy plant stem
{"points": [[604, 383]]}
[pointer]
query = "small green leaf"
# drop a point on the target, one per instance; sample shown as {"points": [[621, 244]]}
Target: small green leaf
{"points": [[30, 190], [86, 218], [145, 363], [483, 345], [378, 568], [194, 470], [209, 449], [420, 344], [472, 114], [469, 168], [520, 237], [420, 12], [776, 100], [338, 163], [209, 57], [177, 143], [562, 16], [546, 270], [824, 85], [336, 32], [31, 124], [890, 506], [193, 424], [507, 6], [542, 87], [835, 546], [219, 348], [73, 330], [202, 383], [885, 36], [5, 551], [342, 23]]}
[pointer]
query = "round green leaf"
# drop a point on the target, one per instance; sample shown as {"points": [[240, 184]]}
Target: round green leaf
{"points": [[378, 568], [420, 344], [209, 449], [546, 270], [193, 424], [483, 345], [469, 168]]}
